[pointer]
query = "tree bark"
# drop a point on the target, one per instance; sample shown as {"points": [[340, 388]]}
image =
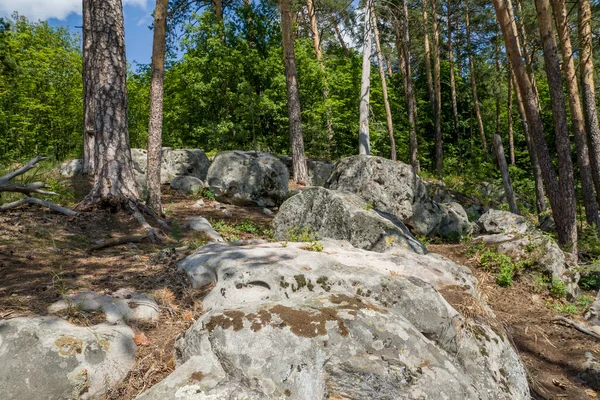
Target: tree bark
{"points": [[428, 57], [156, 105], [508, 189], [386, 102], [568, 214], [588, 91], [452, 79], [364, 146], [437, 88], [577, 119], [89, 139], [527, 54], [563, 222], [474, 84], [410, 92], [218, 7], [114, 184], [509, 113], [338, 33], [293, 96]]}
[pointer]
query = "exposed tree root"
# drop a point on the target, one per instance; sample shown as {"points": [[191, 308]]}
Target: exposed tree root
{"points": [[577, 326]]}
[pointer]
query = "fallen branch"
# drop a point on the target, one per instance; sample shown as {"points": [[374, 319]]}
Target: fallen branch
{"points": [[117, 241], [577, 326], [27, 189], [40, 202], [23, 169]]}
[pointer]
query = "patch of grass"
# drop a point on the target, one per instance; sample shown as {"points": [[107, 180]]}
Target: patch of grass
{"points": [[578, 307], [303, 234], [558, 289], [314, 246], [233, 232], [176, 230], [502, 265], [208, 194]]}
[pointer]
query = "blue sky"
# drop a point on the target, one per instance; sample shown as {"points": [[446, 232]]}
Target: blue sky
{"points": [[137, 13]]}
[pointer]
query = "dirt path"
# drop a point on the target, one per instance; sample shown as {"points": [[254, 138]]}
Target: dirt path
{"points": [[554, 354]]}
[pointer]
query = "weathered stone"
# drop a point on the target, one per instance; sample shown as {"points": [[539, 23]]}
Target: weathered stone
{"points": [[181, 162], [187, 184], [287, 322], [344, 216], [497, 221], [454, 222], [593, 313], [71, 168], [46, 357], [201, 224], [248, 178], [318, 170]]}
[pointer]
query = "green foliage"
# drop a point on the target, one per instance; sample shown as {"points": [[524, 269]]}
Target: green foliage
{"points": [[503, 266], [176, 230], [588, 241], [208, 194], [233, 232], [580, 306], [314, 246], [558, 288], [302, 234], [368, 206]]}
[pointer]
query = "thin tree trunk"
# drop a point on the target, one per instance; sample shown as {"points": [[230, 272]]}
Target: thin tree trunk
{"points": [[410, 92], [437, 88], [577, 119], [566, 182], [509, 117], [114, 184], [338, 33], [156, 105], [386, 102], [540, 196], [458, 41], [314, 27], [588, 91], [293, 96], [364, 146], [527, 54], [428, 57], [563, 224], [89, 138], [474, 84], [508, 189], [498, 79], [218, 7], [452, 79], [388, 63]]}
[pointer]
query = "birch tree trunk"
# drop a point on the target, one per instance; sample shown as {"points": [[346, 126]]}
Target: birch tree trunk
{"points": [[293, 96], [508, 189], [89, 138], [577, 119], [386, 102], [566, 182], [474, 84], [437, 89], [588, 91], [534, 119], [364, 146], [156, 105], [410, 92], [114, 185]]}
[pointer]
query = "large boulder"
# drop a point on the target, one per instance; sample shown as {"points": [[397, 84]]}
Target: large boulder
{"points": [[248, 178], [514, 236], [593, 313], [454, 221], [47, 357], [318, 170], [390, 186], [180, 162], [346, 216], [187, 184], [71, 168], [284, 322]]}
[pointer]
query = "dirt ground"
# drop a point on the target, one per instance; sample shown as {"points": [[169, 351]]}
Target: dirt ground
{"points": [[43, 256]]}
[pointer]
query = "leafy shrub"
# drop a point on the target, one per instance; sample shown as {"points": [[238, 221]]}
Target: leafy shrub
{"points": [[558, 288], [502, 265], [208, 194]]}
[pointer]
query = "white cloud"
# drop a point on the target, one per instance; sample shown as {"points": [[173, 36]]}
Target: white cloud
{"points": [[44, 9]]}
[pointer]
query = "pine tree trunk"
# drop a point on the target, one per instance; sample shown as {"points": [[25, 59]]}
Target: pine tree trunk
{"points": [[114, 184], [428, 56], [577, 119], [452, 79], [508, 189], [89, 138], [498, 79], [338, 33], [437, 89], [534, 119], [364, 146], [156, 105], [588, 91], [293, 96], [218, 7], [527, 54], [566, 182], [476, 106], [386, 102], [540, 196], [411, 101], [509, 114]]}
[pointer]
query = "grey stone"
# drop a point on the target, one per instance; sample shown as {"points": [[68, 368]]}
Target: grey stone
{"points": [[268, 212], [122, 306], [199, 203], [344, 216], [593, 313], [226, 213], [497, 221], [318, 170], [71, 168], [454, 221], [181, 162], [248, 178], [187, 184], [46, 357], [284, 322], [547, 224], [201, 224]]}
